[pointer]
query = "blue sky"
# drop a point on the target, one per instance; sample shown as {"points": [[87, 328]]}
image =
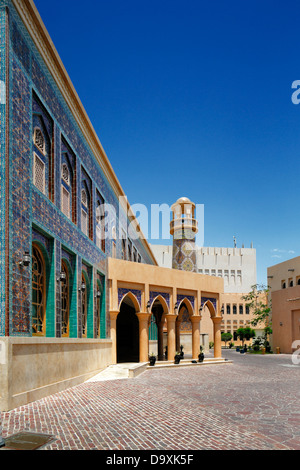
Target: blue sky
{"points": [[193, 98]]}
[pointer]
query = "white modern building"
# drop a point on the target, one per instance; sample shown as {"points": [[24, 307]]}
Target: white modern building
{"points": [[237, 266]]}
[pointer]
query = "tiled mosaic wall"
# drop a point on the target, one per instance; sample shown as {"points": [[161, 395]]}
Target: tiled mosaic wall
{"points": [[34, 216], [2, 165]]}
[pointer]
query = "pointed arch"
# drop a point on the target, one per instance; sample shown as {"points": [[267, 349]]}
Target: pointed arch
{"points": [[210, 307], [163, 303], [188, 306], [133, 299]]}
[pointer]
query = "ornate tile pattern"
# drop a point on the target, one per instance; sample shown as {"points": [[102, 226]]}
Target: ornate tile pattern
{"points": [[135, 292], [165, 295]]}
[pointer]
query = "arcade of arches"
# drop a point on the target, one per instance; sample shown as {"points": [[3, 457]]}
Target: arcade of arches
{"points": [[144, 296]]}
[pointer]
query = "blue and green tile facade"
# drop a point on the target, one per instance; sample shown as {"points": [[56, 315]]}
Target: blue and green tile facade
{"points": [[30, 98]]}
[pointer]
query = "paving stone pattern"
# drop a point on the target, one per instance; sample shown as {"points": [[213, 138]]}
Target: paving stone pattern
{"points": [[250, 404]]}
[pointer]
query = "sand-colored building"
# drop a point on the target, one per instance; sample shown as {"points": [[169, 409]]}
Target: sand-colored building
{"points": [[284, 283]]}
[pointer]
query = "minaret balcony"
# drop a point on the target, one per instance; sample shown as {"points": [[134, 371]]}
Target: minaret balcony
{"points": [[184, 223]]}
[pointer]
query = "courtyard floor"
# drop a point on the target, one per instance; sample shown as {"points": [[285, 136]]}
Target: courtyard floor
{"points": [[252, 403]]}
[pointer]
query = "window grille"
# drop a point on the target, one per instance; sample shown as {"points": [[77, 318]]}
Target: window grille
{"points": [[84, 308], [38, 292], [84, 222], [65, 201], [39, 173], [39, 140], [84, 197], [65, 302], [65, 174]]}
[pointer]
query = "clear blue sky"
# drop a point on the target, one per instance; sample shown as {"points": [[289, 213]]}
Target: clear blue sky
{"points": [[193, 98]]}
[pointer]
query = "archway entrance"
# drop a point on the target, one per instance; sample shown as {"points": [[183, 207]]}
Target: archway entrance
{"points": [[127, 333], [184, 330], [159, 310]]}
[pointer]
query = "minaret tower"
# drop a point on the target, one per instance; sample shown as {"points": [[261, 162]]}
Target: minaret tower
{"points": [[184, 227]]}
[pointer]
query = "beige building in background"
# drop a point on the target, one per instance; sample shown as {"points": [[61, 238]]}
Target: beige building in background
{"points": [[284, 283]]}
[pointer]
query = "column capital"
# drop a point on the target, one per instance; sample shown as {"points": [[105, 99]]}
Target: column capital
{"points": [[195, 318], [143, 315], [217, 320], [113, 314], [171, 317]]}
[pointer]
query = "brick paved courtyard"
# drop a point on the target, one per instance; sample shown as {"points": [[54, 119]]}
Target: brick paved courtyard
{"points": [[250, 404]]}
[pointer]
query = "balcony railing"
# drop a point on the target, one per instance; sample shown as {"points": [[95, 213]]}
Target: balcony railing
{"points": [[184, 223]]}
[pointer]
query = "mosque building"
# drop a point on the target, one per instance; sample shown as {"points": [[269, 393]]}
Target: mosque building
{"points": [[75, 295]]}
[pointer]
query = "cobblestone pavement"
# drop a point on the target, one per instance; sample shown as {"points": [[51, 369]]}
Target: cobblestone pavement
{"points": [[250, 404]]}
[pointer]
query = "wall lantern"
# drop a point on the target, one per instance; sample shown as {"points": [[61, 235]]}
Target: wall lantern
{"points": [[62, 277], [82, 288], [176, 307], [281, 324], [148, 305], [98, 294], [26, 259], [200, 309]]}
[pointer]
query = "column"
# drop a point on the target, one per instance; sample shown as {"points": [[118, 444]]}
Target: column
{"points": [[217, 336], [177, 323], [171, 319], [195, 336], [160, 340], [113, 334], [144, 335]]}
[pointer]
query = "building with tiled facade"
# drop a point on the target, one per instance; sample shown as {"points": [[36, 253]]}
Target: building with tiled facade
{"points": [[73, 292]]}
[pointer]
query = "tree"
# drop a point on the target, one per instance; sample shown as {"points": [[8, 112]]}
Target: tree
{"points": [[245, 334], [259, 302], [226, 337]]}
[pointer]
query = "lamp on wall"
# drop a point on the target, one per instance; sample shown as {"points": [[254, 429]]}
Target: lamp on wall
{"points": [[148, 306], [25, 260], [98, 294], [62, 276], [176, 307], [200, 309], [82, 287]]}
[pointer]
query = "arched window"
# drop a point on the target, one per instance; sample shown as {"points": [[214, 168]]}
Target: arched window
{"points": [[228, 309], [65, 190], [84, 212], [65, 300], [83, 306], [234, 309], [241, 309], [38, 292]]}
